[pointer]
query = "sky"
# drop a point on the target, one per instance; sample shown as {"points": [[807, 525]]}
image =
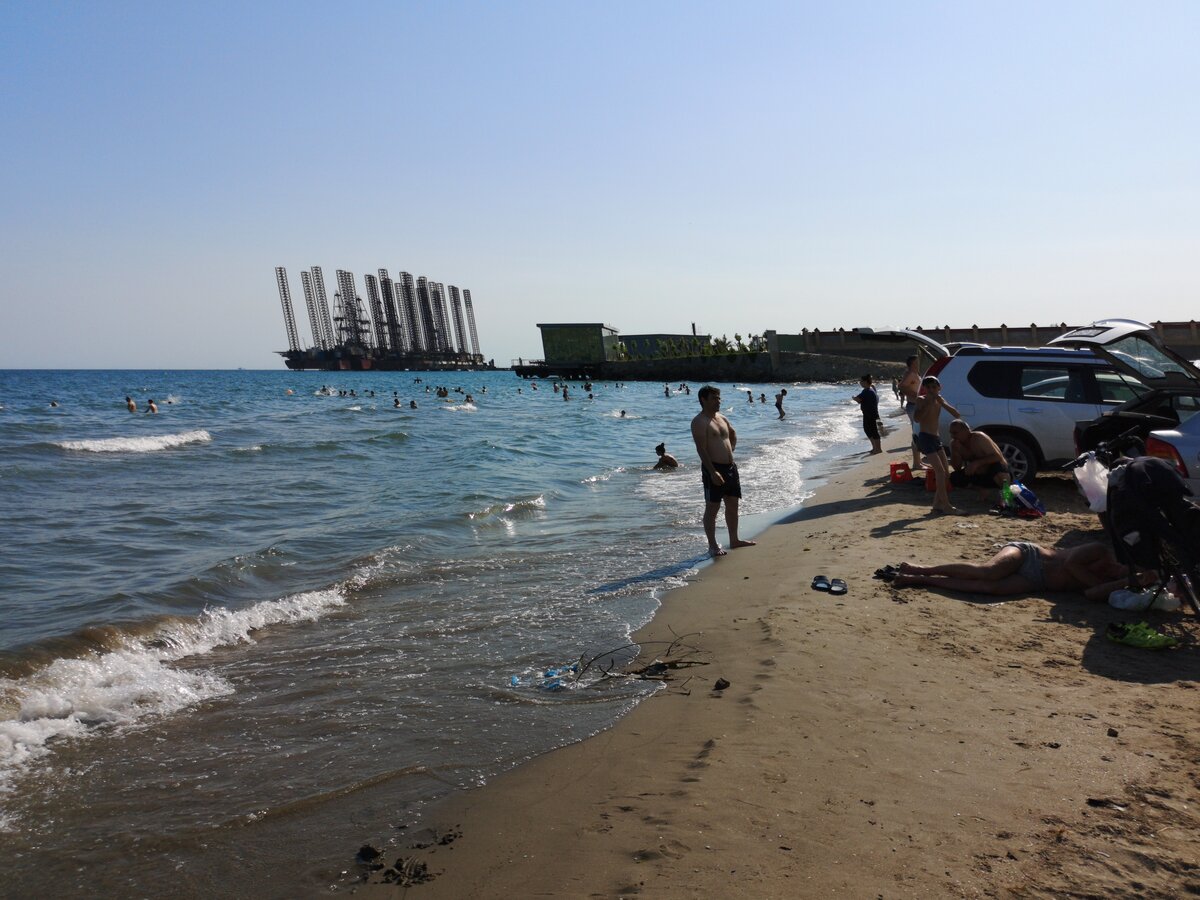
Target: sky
{"points": [[650, 165]]}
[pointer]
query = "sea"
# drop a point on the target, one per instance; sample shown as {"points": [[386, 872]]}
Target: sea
{"points": [[280, 618]]}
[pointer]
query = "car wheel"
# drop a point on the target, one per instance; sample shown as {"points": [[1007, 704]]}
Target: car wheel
{"points": [[1022, 461]]}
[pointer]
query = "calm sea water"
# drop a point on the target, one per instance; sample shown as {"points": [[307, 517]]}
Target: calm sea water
{"points": [[222, 624]]}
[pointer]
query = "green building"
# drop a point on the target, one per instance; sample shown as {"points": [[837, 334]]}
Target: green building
{"points": [[570, 344]]}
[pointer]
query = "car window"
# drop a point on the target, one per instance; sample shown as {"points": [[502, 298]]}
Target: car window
{"points": [[1146, 359], [1055, 383], [1115, 390], [1186, 406], [994, 378]]}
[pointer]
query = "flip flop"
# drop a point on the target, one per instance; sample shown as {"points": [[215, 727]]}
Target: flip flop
{"points": [[1139, 635], [820, 583], [838, 586]]}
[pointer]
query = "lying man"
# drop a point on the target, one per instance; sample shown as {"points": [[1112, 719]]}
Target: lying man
{"points": [[975, 458], [1024, 568]]}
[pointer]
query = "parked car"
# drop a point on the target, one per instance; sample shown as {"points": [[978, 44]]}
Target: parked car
{"points": [[1165, 387], [1026, 399], [1180, 446]]}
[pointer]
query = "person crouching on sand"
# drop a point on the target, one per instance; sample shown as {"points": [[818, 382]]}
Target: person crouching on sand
{"points": [[715, 440], [665, 459], [975, 459]]}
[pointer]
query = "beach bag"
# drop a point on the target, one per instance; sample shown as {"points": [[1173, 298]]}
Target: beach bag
{"points": [[1025, 503], [1148, 506]]}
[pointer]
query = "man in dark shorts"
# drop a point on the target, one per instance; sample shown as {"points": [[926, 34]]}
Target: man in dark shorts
{"points": [[715, 439], [975, 458], [868, 401]]}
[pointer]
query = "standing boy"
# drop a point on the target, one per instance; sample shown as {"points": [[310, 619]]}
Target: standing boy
{"points": [[928, 410], [868, 401]]}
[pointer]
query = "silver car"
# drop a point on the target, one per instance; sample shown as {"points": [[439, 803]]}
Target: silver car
{"points": [[1027, 399]]}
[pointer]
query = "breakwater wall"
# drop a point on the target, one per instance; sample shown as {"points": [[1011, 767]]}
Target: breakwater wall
{"points": [[770, 366]]}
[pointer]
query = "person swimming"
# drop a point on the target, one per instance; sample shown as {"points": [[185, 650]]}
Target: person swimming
{"points": [[665, 459]]}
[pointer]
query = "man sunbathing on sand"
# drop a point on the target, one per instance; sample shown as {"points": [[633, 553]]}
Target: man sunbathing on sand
{"points": [[1025, 568]]}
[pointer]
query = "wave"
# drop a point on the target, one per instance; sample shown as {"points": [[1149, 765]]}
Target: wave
{"points": [[389, 437], [603, 476], [147, 444], [527, 507], [133, 677], [461, 407]]}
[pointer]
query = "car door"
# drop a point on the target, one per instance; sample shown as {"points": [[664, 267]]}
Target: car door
{"points": [[1050, 397]]}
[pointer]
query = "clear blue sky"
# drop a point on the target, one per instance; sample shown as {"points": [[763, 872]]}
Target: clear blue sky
{"points": [[647, 164]]}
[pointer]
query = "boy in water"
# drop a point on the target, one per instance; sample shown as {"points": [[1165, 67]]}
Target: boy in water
{"points": [[665, 459]]}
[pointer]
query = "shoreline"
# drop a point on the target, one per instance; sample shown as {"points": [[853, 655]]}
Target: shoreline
{"points": [[894, 742]]}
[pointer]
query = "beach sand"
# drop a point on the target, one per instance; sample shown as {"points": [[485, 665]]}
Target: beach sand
{"points": [[885, 743]]}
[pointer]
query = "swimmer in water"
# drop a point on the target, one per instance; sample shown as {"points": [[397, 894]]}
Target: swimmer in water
{"points": [[152, 408], [130, 405], [665, 459]]}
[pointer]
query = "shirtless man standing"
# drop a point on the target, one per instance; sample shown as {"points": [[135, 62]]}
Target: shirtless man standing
{"points": [[910, 387], [715, 440], [928, 411], [1022, 568]]}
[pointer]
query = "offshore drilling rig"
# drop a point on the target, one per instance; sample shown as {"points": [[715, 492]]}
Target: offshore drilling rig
{"points": [[408, 326]]}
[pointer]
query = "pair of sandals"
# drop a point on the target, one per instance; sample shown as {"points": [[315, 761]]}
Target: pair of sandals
{"points": [[836, 586]]}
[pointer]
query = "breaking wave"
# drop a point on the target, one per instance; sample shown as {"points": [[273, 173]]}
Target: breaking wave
{"points": [[147, 444], [71, 697]]}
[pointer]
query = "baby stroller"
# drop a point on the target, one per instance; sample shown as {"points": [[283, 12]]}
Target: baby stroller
{"points": [[1153, 525]]}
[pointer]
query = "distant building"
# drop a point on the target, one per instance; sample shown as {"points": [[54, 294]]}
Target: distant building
{"points": [[568, 344]]}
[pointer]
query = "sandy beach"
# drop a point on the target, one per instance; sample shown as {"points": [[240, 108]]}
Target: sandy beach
{"points": [[886, 743]]}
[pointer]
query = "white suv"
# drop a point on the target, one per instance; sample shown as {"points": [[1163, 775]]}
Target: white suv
{"points": [[1026, 399]]}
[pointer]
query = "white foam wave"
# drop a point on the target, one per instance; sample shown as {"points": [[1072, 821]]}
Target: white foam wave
{"points": [[69, 697], [603, 476], [146, 444], [533, 504], [464, 407]]}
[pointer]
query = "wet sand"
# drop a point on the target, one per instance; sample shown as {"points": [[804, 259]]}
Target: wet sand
{"points": [[889, 742]]}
